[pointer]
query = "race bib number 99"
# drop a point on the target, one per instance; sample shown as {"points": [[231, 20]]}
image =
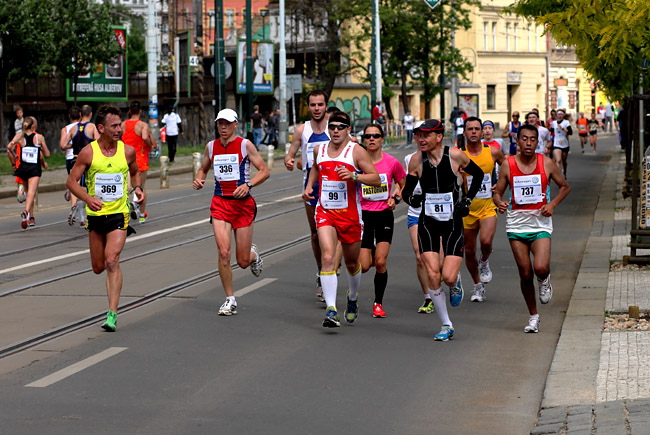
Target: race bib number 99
{"points": [[334, 195], [439, 206], [527, 189], [226, 167], [485, 191], [109, 187]]}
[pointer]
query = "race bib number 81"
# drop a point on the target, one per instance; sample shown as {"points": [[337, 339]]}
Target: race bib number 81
{"points": [[439, 206]]}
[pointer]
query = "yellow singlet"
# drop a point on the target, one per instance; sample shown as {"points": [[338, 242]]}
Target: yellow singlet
{"points": [[106, 180], [482, 206]]}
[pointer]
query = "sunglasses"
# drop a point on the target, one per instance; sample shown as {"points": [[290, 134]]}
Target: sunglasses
{"points": [[337, 126], [373, 135], [515, 116]]}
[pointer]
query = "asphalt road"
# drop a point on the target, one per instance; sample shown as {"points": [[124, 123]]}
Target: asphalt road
{"points": [[174, 366]]}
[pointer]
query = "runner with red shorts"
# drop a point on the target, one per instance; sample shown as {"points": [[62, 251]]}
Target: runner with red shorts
{"points": [[232, 208], [339, 165]]}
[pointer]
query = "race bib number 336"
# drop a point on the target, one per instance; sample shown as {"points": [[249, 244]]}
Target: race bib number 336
{"points": [[226, 167]]}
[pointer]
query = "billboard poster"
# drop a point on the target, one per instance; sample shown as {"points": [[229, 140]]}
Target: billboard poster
{"points": [[262, 67], [104, 81], [468, 104]]}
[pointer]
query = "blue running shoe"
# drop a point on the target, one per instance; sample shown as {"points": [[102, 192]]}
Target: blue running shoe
{"points": [[445, 333], [456, 293], [352, 311], [331, 319]]}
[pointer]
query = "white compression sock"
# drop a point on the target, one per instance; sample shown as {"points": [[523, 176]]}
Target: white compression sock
{"points": [[329, 282], [355, 282], [440, 302]]}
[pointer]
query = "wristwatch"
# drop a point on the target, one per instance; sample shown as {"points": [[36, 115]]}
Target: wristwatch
{"points": [[250, 186]]}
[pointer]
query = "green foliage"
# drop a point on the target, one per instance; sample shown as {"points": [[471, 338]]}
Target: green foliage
{"points": [[611, 37], [136, 47]]}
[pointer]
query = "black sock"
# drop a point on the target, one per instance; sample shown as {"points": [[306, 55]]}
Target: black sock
{"points": [[381, 279]]}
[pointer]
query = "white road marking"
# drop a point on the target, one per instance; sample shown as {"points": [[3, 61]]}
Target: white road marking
{"points": [[401, 218], [130, 239], [253, 287], [76, 367]]}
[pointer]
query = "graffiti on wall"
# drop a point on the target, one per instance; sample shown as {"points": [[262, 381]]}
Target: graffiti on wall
{"points": [[355, 107]]}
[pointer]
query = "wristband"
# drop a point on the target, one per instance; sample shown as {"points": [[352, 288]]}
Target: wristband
{"points": [[138, 187], [355, 176]]}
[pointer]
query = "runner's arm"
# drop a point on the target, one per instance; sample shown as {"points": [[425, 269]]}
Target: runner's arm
{"points": [[290, 158], [147, 137], [136, 175], [470, 168], [62, 143], [96, 134], [502, 182], [498, 156], [553, 173], [262, 171], [199, 181], [369, 177], [84, 159], [44, 148]]}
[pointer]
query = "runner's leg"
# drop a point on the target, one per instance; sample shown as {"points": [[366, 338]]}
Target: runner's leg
{"points": [[521, 252], [243, 242], [114, 244], [222, 231]]}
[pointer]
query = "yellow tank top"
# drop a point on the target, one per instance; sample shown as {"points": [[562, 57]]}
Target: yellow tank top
{"points": [[106, 180], [483, 200]]}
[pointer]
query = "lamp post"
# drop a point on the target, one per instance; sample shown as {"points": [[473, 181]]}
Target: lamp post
{"points": [[263, 14]]}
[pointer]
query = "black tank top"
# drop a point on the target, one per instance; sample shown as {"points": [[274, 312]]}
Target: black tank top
{"points": [[31, 148], [439, 178], [80, 140]]}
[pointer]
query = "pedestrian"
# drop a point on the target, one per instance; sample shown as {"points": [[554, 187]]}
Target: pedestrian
{"points": [[562, 128], [377, 114], [33, 150], [137, 134], [437, 169], [510, 132], [609, 116], [602, 116], [107, 163], [408, 123], [74, 114], [257, 122], [528, 222], [233, 209], [460, 128], [173, 128], [338, 166]]}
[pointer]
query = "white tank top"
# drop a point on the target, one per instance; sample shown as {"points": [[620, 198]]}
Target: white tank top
{"points": [[69, 153], [309, 141]]}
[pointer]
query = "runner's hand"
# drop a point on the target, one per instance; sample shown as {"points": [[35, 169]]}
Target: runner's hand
{"points": [[462, 206], [307, 195], [198, 184], [289, 163], [241, 191], [502, 206], [546, 210], [95, 204]]}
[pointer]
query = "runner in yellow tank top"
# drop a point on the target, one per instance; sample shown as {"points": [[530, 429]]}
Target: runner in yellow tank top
{"points": [[482, 218], [107, 162]]}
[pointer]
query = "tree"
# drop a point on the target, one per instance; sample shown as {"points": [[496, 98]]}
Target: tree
{"points": [[611, 37], [136, 49]]}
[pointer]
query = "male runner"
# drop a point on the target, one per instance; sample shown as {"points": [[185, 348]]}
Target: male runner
{"points": [[338, 166], [544, 139], [582, 123], [137, 134], [75, 116], [233, 208], [510, 132], [107, 163], [437, 169], [561, 128], [528, 222], [482, 218]]}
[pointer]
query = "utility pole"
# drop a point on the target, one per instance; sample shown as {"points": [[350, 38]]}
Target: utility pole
{"points": [[378, 51], [152, 73], [454, 77], [219, 54], [199, 53], [249, 59], [282, 139], [442, 69], [373, 59]]}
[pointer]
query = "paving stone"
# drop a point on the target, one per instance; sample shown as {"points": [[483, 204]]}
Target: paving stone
{"points": [[582, 409], [547, 429], [609, 411], [640, 427], [552, 415], [579, 432], [611, 428]]}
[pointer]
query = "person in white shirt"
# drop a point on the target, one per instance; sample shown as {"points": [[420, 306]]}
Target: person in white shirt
{"points": [[408, 122], [460, 129], [544, 140], [562, 128], [173, 126]]}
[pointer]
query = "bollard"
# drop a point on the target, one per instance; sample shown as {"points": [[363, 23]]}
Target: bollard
{"points": [[196, 164], [269, 159], [164, 172], [634, 312]]}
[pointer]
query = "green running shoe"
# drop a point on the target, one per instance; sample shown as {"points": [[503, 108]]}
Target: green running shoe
{"points": [[331, 319], [111, 320], [352, 310], [427, 307]]}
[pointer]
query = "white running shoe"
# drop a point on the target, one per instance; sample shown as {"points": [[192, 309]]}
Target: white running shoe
{"points": [[21, 196], [258, 265], [545, 290], [533, 325], [228, 308], [478, 295], [484, 272]]}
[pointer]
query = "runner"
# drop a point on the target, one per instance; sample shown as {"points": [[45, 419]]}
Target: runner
{"points": [[482, 218], [593, 131], [233, 208], [377, 205], [489, 139], [582, 124], [437, 169], [412, 223], [138, 135], [33, 149], [339, 164], [510, 132], [562, 128], [544, 139], [75, 116], [306, 137], [15, 128], [528, 222], [107, 163]]}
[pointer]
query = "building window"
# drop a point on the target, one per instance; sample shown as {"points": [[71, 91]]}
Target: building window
{"points": [[516, 26], [485, 36], [494, 36], [211, 49], [211, 19], [507, 36], [529, 44], [230, 18], [491, 97]]}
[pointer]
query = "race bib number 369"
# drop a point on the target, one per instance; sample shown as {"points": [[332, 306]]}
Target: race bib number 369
{"points": [[226, 167], [109, 187]]}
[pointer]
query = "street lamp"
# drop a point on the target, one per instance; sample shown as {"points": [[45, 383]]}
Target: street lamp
{"points": [[264, 13]]}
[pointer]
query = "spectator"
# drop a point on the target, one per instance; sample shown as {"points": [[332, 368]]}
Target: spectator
{"points": [[377, 114], [257, 122], [609, 116], [173, 127], [17, 126], [408, 122]]}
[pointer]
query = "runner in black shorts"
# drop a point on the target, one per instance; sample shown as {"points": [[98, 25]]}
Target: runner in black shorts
{"points": [[437, 169]]}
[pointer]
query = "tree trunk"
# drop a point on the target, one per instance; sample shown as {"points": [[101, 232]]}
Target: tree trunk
{"points": [[403, 76]]}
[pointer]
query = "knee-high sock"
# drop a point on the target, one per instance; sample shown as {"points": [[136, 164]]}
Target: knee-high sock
{"points": [[440, 302], [329, 283], [355, 282], [381, 279]]}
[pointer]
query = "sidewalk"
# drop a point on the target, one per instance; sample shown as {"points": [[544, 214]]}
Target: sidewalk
{"points": [[599, 381]]}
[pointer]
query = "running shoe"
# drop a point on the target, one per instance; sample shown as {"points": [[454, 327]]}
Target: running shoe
{"points": [[72, 216], [133, 210], [228, 308], [485, 274], [143, 217], [32, 221], [25, 219], [66, 195], [446, 333], [478, 295], [545, 290], [533, 325], [378, 311], [427, 307], [456, 293], [352, 311], [21, 196], [331, 319], [111, 321], [258, 265]]}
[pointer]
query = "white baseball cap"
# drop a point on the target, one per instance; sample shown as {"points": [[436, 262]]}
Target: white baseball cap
{"points": [[227, 115]]}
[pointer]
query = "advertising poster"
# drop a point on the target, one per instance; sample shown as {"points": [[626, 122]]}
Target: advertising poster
{"points": [[469, 104], [262, 67], [104, 81]]}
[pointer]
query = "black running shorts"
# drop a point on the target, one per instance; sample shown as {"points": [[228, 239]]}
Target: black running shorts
{"points": [[430, 231], [107, 223], [377, 227]]}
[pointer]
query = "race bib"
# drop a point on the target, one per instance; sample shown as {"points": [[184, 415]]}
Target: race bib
{"points": [[334, 195], [109, 187], [376, 193], [226, 167], [485, 191], [439, 206], [527, 189], [29, 155]]}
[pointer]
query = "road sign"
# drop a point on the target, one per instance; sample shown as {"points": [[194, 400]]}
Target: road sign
{"points": [[294, 83], [194, 61], [432, 3]]}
